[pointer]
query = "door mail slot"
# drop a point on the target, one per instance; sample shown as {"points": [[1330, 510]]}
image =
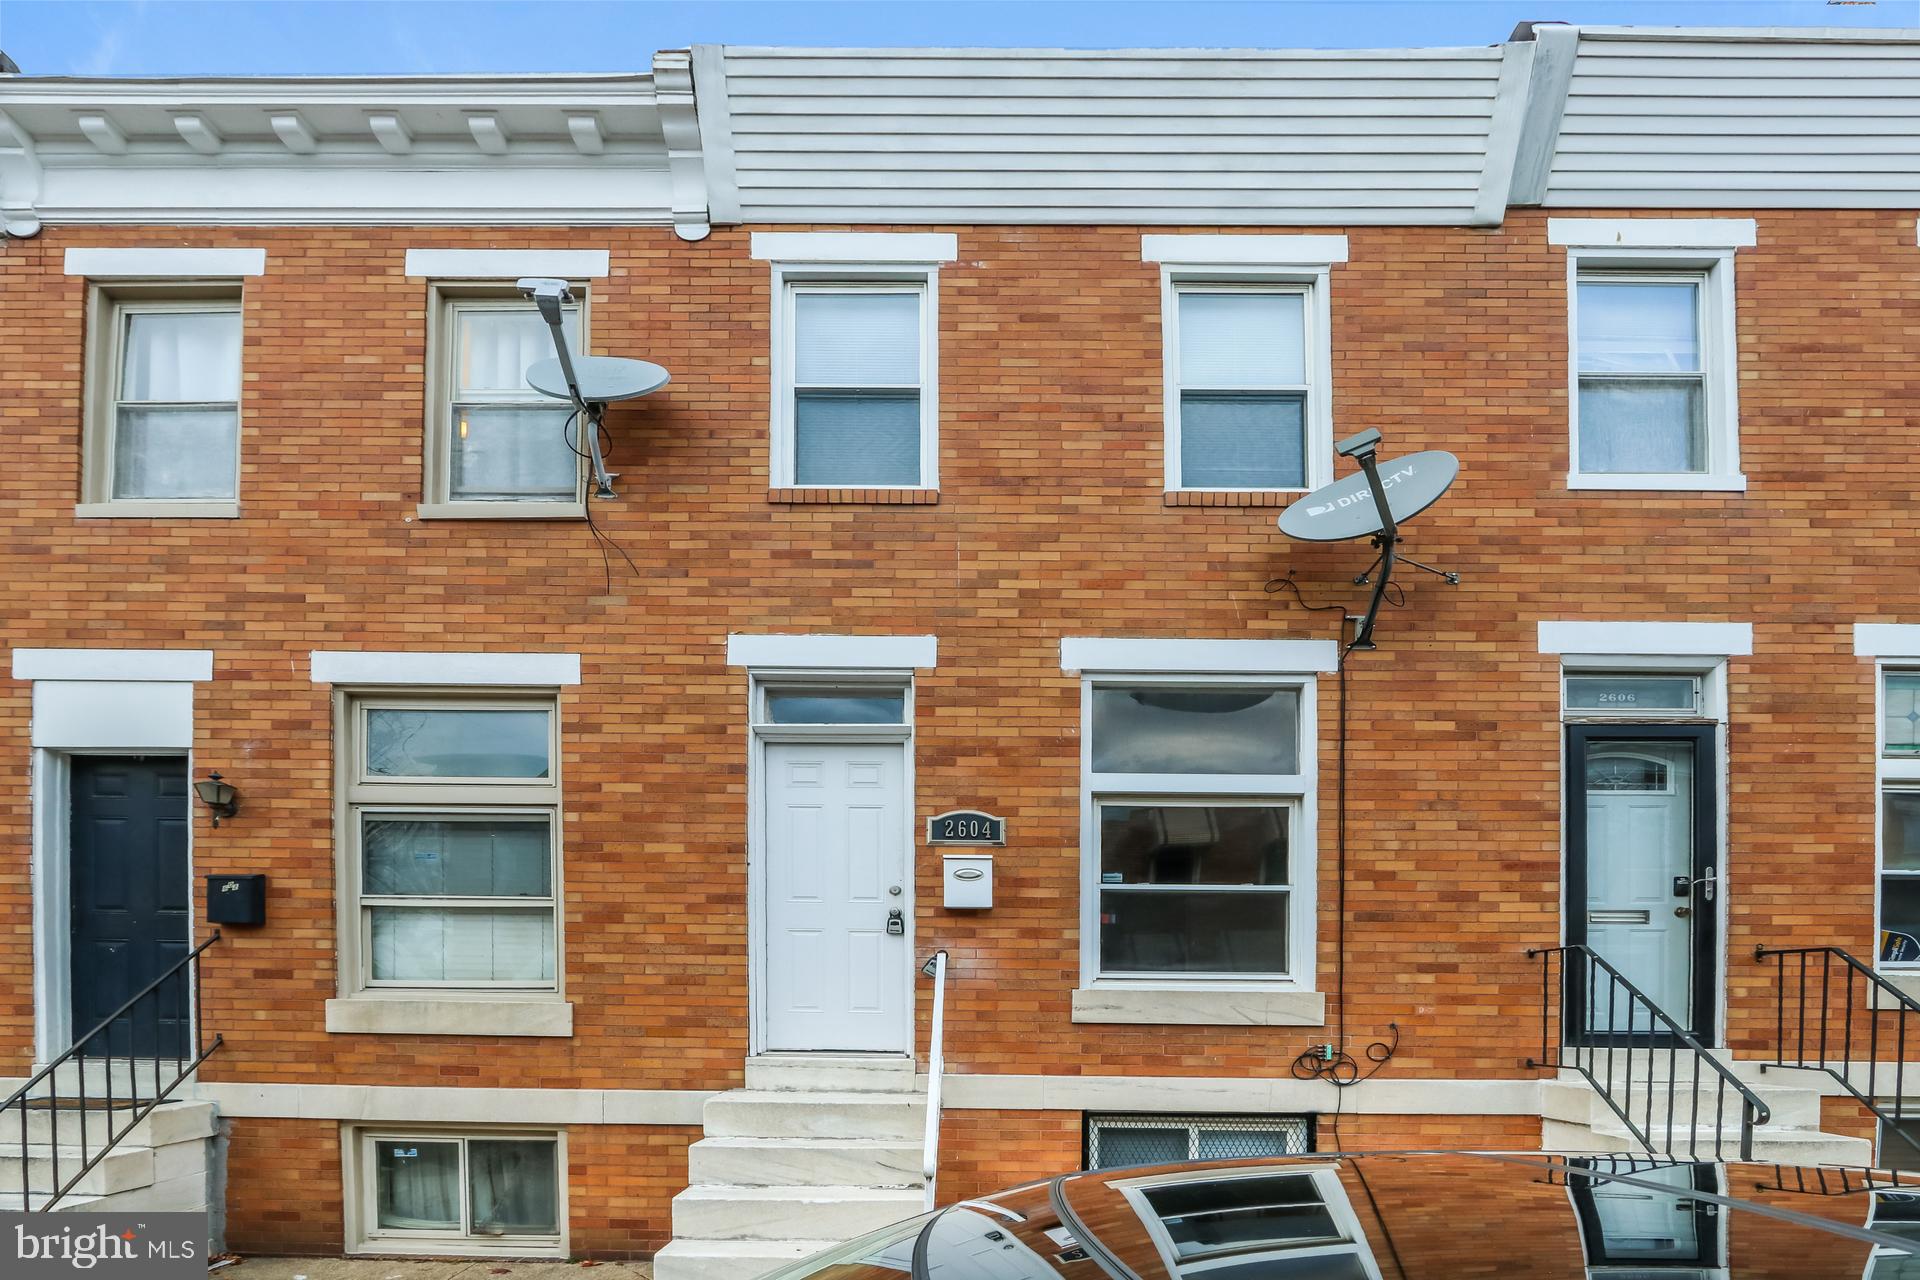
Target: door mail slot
{"points": [[1640, 916], [968, 881]]}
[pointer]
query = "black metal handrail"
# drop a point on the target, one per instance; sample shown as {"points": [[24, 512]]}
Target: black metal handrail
{"points": [[1648, 1029], [125, 1021], [1827, 1042]]}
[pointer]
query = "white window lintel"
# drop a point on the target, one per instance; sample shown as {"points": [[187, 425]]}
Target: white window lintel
{"points": [[165, 264], [1684, 639], [1197, 657], [1653, 233], [537, 670], [508, 264], [1886, 640], [832, 653], [174, 665], [856, 246], [1209, 250]]}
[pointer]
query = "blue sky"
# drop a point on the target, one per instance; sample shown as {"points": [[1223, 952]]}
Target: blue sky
{"points": [[237, 37]]}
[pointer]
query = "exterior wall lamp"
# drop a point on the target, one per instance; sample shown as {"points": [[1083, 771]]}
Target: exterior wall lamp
{"points": [[221, 798]]}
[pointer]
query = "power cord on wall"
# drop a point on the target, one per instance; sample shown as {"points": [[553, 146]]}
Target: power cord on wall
{"points": [[569, 433], [1331, 1061]]}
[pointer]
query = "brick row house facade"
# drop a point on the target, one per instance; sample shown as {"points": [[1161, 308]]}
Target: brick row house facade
{"points": [[599, 873]]}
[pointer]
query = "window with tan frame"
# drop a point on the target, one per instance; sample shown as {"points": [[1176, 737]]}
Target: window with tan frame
{"points": [[163, 397], [495, 447], [423, 1189], [450, 836]]}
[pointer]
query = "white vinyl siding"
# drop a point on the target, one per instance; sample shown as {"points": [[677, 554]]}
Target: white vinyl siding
{"points": [[451, 828]]}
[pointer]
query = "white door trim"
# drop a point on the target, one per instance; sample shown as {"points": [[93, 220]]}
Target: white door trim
{"points": [[757, 913]]}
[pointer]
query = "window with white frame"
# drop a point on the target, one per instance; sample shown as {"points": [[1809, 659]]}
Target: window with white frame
{"points": [[495, 446], [451, 825], [1653, 372], [1900, 818], [856, 403], [1194, 796], [1241, 373], [433, 1190], [165, 397]]}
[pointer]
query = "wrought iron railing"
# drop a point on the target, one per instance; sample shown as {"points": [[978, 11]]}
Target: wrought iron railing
{"points": [[111, 1108], [1835, 1012], [1615, 1037], [935, 968]]}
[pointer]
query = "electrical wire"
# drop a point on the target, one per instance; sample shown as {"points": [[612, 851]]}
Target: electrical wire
{"points": [[569, 433], [1332, 1062]]}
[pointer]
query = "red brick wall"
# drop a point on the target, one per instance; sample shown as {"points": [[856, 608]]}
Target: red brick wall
{"points": [[1050, 522]]}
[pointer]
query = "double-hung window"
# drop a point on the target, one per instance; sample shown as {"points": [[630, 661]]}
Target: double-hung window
{"points": [[452, 819], [1654, 390], [1241, 381], [1900, 818], [433, 1191], [495, 446], [856, 400], [1195, 823], [165, 430]]}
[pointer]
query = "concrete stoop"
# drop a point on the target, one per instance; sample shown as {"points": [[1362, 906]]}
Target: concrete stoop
{"points": [[817, 1149], [165, 1164], [1575, 1118]]}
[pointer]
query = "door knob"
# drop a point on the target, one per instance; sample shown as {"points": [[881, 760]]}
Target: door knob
{"points": [[894, 889], [1683, 911]]}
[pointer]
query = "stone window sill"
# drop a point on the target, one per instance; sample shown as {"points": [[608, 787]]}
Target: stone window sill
{"points": [[1658, 482], [797, 496], [1198, 1006], [502, 511], [136, 509], [1905, 981], [448, 1016]]}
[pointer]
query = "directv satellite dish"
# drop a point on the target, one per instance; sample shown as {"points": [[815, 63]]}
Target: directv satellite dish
{"points": [[1373, 502], [1345, 509], [601, 379], [589, 383]]}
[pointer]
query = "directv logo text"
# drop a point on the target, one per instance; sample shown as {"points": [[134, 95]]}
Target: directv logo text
{"points": [[149, 1246], [1361, 495]]}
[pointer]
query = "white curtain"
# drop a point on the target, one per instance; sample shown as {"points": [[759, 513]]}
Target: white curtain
{"points": [[182, 356], [174, 432], [418, 1184], [495, 348], [513, 1187], [448, 944], [856, 339], [1642, 424], [1639, 326], [1242, 340]]}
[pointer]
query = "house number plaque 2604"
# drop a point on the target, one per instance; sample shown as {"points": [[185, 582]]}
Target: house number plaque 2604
{"points": [[966, 826]]}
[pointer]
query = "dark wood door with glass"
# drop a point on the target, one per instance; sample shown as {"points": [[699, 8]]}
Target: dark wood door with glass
{"points": [[131, 899], [1641, 880]]}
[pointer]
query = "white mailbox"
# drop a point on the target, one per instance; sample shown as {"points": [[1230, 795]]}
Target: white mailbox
{"points": [[969, 881]]}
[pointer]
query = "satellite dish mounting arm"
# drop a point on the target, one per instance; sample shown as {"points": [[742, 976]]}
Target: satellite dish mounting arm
{"points": [[551, 296], [1363, 449]]}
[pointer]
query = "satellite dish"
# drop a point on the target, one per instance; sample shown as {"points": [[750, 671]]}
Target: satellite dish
{"points": [[1346, 509], [601, 379]]}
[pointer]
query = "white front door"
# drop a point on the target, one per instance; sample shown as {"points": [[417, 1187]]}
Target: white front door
{"points": [[1639, 841], [836, 867]]}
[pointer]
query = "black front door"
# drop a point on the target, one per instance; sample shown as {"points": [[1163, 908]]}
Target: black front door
{"points": [[131, 900]]}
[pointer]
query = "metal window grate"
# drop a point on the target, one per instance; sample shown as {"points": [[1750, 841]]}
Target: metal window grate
{"points": [[1126, 1141]]}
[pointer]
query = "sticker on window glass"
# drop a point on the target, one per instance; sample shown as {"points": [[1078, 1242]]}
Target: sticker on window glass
{"points": [[406, 1153], [1113, 877]]}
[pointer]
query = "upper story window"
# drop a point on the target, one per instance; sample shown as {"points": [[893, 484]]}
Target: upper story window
{"points": [[1242, 386], [495, 446], [857, 406], [452, 817], [163, 431], [1654, 388], [1196, 840]]}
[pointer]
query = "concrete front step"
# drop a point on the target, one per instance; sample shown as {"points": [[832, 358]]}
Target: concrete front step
{"points": [[831, 1072], [804, 1162], [731, 1259], [123, 1169], [749, 1113], [1770, 1144], [166, 1124], [1575, 1101], [789, 1213]]}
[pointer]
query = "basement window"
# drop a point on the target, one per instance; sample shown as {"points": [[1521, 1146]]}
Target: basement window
{"points": [[439, 1192], [1124, 1141]]}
